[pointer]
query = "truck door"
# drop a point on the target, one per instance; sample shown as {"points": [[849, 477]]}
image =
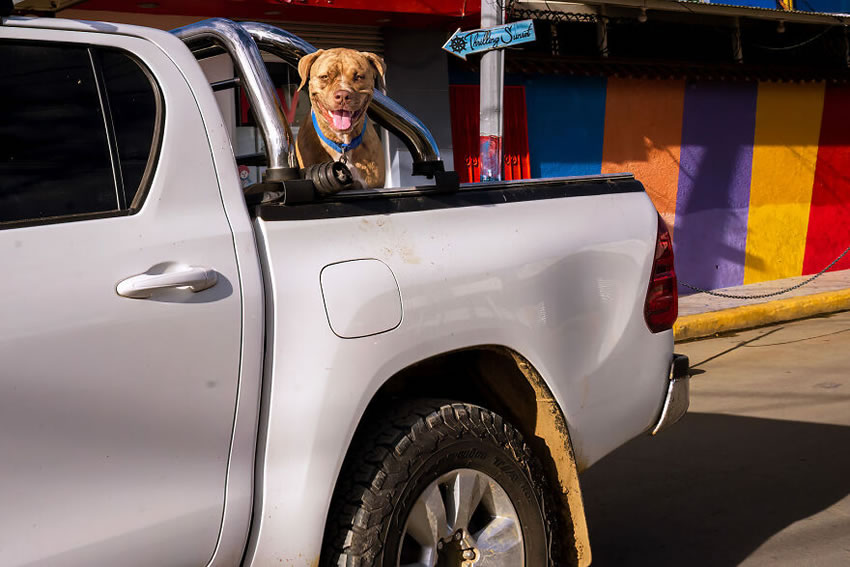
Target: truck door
{"points": [[120, 302]]}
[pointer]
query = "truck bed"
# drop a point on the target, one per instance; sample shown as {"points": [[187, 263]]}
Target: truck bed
{"points": [[555, 270]]}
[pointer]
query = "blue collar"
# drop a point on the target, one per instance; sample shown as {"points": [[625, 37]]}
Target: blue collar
{"points": [[340, 148]]}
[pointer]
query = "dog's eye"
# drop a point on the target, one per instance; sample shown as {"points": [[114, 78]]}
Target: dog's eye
{"points": [[323, 77], [357, 76]]}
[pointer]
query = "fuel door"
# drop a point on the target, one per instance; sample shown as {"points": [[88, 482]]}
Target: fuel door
{"points": [[362, 298]]}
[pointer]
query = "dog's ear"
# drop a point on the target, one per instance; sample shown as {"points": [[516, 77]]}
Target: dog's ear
{"points": [[304, 65], [378, 63]]}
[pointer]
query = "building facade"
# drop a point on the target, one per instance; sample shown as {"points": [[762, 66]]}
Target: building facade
{"points": [[735, 117]]}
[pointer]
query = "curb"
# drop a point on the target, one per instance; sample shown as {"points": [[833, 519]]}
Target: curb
{"points": [[749, 316]]}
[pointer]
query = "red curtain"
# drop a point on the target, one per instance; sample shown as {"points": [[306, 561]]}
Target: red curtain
{"points": [[464, 100], [245, 117]]}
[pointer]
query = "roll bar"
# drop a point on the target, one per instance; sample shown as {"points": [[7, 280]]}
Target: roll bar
{"points": [[383, 110], [244, 41], [231, 38]]}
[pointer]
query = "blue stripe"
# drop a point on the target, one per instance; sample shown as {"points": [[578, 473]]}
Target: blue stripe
{"points": [[566, 123]]}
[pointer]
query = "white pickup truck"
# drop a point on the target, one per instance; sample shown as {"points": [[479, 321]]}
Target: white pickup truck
{"points": [[193, 374]]}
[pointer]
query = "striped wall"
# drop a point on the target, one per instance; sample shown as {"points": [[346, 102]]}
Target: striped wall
{"points": [[714, 182], [787, 129], [643, 136], [753, 177], [569, 112]]}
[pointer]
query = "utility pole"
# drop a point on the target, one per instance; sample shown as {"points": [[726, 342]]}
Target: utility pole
{"points": [[492, 93]]}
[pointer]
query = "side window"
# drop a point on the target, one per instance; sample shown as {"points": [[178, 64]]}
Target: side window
{"points": [[134, 107], [54, 155], [78, 131]]}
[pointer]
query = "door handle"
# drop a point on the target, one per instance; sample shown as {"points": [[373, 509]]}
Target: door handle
{"points": [[142, 286]]}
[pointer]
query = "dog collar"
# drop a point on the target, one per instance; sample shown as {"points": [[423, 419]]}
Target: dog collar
{"points": [[340, 148]]}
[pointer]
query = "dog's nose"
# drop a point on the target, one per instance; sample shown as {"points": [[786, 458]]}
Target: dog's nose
{"points": [[342, 96]]}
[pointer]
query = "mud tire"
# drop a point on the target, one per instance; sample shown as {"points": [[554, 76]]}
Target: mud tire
{"points": [[402, 454]]}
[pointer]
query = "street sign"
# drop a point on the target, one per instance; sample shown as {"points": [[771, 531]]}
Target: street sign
{"points": [[498, 37]]}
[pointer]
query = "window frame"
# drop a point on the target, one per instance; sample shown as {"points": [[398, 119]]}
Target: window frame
{"points": [[123, 209]]}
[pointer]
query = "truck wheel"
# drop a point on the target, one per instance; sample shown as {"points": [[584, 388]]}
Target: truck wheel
{"points": [[444, 485]]}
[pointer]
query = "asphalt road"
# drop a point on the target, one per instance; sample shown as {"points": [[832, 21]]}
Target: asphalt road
{"points": [[758, 471]]}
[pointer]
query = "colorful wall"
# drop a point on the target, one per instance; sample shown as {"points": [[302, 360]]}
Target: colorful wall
{"points": [[753, 177]]}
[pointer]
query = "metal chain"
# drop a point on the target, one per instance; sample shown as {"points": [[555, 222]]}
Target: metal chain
{"points": [[772, 294]]}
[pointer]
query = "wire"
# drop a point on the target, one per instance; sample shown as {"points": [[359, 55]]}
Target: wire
{"points": [[796, 45]]}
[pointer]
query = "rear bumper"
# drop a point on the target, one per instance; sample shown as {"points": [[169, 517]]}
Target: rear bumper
{"points": [[678, 394]]}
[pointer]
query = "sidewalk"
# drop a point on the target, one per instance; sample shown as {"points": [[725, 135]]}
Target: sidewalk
{"points": [[703, 315]]}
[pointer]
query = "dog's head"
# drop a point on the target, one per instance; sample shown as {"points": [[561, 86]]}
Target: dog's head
{"points": [[340, 83]]}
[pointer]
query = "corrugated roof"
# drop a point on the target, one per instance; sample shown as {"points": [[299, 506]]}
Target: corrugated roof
{"points": [[679, 6], [757, 9]]}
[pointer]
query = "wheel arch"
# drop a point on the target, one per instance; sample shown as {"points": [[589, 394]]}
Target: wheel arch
{"points": [[500, 379]]}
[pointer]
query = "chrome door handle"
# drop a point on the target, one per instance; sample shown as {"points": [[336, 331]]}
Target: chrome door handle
{"points": [[142, 286]]}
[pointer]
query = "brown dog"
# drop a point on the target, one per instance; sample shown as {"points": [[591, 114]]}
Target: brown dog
{"points": [[340, 85]]}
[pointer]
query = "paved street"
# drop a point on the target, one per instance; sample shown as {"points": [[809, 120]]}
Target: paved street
{"points": [[757, 473]]}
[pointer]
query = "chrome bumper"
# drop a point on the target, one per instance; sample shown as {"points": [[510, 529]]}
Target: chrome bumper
{"points": [[678, 394]]}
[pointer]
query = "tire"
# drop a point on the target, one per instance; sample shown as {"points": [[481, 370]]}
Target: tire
{"points": [[440, 458]]}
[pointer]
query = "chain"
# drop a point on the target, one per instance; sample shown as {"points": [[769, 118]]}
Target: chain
{"points": [[773, 294]]}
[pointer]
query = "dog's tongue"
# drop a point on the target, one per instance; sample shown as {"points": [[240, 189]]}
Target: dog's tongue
{"points": [[341, 119]]}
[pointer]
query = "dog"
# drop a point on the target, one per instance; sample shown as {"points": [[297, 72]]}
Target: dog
{"points": [[340, 83]]}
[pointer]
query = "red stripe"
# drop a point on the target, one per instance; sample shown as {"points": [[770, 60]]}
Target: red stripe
{"points": [[829, 227], [247, 119]]}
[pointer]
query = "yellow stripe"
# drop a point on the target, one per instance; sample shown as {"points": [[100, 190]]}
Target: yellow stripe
{"points": [[785, 151]]}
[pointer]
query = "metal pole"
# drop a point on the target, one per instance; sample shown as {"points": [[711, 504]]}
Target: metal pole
{"points": [[492, 89], [280, 145]]}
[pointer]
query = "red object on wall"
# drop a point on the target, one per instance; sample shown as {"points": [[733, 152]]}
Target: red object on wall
{"points": [[247, 119], [829, 230], [464, 100]]}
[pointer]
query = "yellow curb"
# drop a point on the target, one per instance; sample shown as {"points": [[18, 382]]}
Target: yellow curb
{"points": [[749, 316]]}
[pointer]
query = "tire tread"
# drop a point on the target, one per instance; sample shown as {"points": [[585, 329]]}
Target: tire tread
{"points": [[390, 447]]}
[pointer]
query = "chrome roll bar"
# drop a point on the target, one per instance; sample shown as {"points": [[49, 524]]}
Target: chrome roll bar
{"points": [[210, 36], [243, 41], [383, 110]]}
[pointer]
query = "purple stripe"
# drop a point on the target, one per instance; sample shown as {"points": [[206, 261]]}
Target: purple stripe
{"points": [[718, 128]]}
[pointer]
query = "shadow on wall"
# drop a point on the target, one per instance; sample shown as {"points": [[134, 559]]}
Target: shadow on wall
{"points": [[643, 134], [691, 144], [753, 178], [829, 229], [744, 172], [714, 182], [712, 489]]}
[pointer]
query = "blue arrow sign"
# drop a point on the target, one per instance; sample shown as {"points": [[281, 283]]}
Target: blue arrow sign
{"points": [[498, 37]]}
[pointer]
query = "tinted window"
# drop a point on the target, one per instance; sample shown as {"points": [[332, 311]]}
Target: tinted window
{"points": [[54, 155], [132, 102]]}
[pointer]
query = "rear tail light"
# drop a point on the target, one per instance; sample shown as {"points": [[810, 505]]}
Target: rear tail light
{"points": [[662, 298]]}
